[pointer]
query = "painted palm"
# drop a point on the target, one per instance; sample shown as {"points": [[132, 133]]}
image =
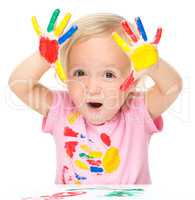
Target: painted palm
{"points": [[142, 53], [49, 48]]}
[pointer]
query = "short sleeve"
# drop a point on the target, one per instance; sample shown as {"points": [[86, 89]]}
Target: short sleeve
{"points": [[60, 104], [151, 125]]}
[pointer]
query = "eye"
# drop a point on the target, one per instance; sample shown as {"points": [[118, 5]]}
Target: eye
{"points": [[79, 72], [110, 75]]}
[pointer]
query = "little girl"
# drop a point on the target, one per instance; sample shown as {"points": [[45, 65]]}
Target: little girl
{"points": [[101, 133]]}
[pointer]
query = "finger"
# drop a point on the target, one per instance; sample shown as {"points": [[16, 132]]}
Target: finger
{"points": [[36, 25], [141, 28], [53, 19], [121, 43], [157, 36], [68, 34], [60, 71], [128, 30], [60, 28], [128, 82]]}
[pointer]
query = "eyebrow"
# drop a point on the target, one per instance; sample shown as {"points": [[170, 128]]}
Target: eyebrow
{"points": [[81, 66], [122, 70], [106, 68]]}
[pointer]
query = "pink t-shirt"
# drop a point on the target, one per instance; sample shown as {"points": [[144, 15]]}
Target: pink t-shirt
{"points": [[113, 153]]}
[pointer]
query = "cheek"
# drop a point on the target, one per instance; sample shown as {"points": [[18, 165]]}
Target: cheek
{"points": [[113, 89], [114, 97], [77, 91]]}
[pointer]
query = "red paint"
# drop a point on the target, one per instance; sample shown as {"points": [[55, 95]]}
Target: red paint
{"points": [[128, 82], [99, 174], [75, 193], [65, 168], [70, 178], [128, 30], [157, 36], [106, 139], [69, 132], [48, 49], [62, 195], [94, 162], [70, 147]]}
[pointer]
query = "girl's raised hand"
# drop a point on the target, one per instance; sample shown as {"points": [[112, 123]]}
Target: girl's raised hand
{"points": [[143, 54], [49, 48]]}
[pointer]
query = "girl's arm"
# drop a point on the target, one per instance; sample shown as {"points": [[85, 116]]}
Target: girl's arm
{"points": [[168, 85], [24, 82]]}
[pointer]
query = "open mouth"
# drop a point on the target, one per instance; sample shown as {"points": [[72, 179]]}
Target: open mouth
{"points": [[94, 104]]}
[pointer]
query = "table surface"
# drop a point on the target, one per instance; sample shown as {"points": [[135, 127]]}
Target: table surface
{"points": [[60, 192]]}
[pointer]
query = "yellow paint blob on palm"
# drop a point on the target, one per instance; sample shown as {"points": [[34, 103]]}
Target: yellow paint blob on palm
{"points": [[95, 154], [144, 57], [72, 117], [111, 160], [81, 165]]}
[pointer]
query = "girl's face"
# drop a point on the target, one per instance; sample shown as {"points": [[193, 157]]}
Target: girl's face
{"points": [[97, 68]]}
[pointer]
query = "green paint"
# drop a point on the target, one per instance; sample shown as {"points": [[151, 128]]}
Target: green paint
{"points": [[53, 20], [125, 193], [83, 155], [119, 194]]}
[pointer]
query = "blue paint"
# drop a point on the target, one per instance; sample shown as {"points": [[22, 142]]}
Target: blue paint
{"points": [[96, 169], [91, 141], [82, 136], [141, 28], [80, 177], [68, 34]]}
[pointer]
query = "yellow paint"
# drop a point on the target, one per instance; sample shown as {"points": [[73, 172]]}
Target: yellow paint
{"points": [[111, 160], [85, 148], [72, 117], [91, 153], [144, 56], [60, 71], [35, 25], [81, 165], [96, 154], [121, 43], [77, 182], [60, 28]]}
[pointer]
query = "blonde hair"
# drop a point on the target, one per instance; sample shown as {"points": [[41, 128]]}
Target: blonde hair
{"points": [[90, 26], [94, 25]]}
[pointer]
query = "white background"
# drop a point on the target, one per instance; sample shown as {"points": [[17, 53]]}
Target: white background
{"points": [[27, 156]]}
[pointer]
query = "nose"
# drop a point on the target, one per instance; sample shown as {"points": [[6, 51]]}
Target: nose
{"points": [[93, 87]]}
